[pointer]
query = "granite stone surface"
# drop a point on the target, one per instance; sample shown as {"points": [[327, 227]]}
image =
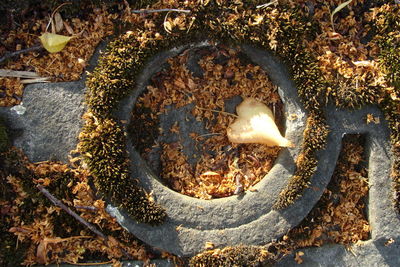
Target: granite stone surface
{"points": [[52, 120], [49, 127], [249, 218]]}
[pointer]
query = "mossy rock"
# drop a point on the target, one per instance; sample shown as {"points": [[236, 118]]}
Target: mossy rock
{"points": [[103, 141], [125, 57]]}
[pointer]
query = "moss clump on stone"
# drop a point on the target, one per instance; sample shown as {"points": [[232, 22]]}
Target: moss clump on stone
{"points": [[102, 140], [301, 62], [102, 143], [312, 90], [346, 97], [315, 133], [231, 256], [315, 136], [387, 29]]}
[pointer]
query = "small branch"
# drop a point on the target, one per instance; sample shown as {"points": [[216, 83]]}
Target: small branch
{"points": [[218, 111], [27, 76], [209, 134], [18, 74], [89, 263], [267, 4], [58, 203], [16, 53], [37, 80], [148, 11], [91, 208], [91, 227]]}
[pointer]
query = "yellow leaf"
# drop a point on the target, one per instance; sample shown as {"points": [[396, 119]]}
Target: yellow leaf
{"points": [[54, 42]]}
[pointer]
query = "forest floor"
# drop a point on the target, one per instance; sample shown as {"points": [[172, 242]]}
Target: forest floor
{"points": [[35, 231]]}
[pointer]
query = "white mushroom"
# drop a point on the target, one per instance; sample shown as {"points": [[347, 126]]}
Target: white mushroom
{"points": [[255, 124]]}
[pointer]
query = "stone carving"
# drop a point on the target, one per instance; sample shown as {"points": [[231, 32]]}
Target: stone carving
{"points": [[250, 218]]}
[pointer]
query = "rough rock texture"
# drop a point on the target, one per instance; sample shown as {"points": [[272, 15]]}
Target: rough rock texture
{"points": [[249, 218], [50, 126], [383, 218], [52, 121], [369, 253], [158, 263]]}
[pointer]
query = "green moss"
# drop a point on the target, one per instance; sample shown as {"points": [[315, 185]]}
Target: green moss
{"points": [[312, 91], [102, 140], [387, 29], [231, 256], [145, 138], [299, 181], [315, 136], [103, 145], [347, 97]]}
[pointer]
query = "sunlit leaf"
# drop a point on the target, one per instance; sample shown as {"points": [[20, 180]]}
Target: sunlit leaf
{"points": [[54, 42], [255, 125]]}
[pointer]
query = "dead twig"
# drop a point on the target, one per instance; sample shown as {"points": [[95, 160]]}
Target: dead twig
{"points": [[27, 76], [91, 208], [91, 227], [18, 74], [54, 12], [19, 52], [206, 135], [218, 111], [267, 4], [148, 11], [37, 80], [58, 203]]}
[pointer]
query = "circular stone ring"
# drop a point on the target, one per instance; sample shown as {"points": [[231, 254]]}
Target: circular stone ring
{"points": [[240, 219]]}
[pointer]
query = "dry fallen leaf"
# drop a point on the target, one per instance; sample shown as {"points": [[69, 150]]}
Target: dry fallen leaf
{"points": [[41, 252], [209, 245], [372, 119], [58, 21], [298, 256], [54, 42]]}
